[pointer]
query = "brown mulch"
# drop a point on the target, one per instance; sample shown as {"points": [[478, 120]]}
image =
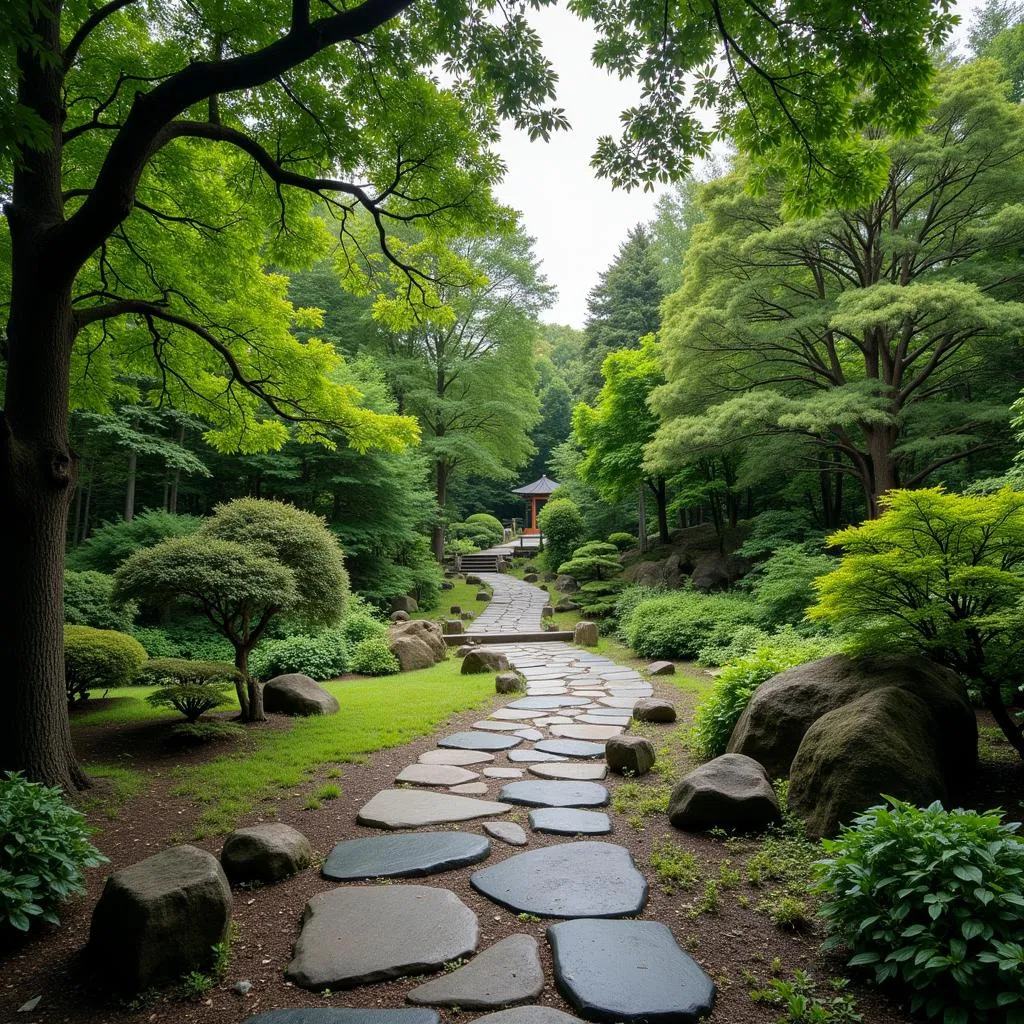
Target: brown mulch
{"points": [[733, 945]]}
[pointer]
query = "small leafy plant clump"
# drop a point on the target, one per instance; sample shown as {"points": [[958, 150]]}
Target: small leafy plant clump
{"points": [[801, 1003], [371, 657], [191, 687], [320, 656], [675, 867], [45, 846], [932, 901]]}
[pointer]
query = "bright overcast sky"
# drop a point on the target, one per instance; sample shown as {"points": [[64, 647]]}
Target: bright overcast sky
{"points": [[578, 220]]}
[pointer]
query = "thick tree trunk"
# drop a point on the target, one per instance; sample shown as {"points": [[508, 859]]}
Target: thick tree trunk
{"points": [[880, 444], [660, 491], [242, 688]]}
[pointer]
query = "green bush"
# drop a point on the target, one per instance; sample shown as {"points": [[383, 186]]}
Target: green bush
{"points": [[590, 567], [361, 626], [743, 641], [783, 585], [628, 600], [459, 547], [371, 657], [932, 901], [678, 625], [164, 671], [596, 547], [113, 543], [195, 639], [158, 642], [88, 601], [192, 700], [719, 710], [321, 656], [622, 541], [472, 532], [490, 523], [99, 659], [45, 846], [563, 527]]}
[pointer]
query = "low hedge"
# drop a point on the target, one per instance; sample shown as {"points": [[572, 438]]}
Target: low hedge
{"points": [[96, 659]]}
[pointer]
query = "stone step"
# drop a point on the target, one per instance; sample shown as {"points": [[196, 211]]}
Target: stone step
{"points": [[458, 639]]}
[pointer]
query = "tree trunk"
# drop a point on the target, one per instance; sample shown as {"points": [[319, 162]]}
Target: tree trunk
{"points": [[88, 511], [660, 490], [642, 520], [441, 493], [129, 493], [882, 466], [243, 686], [76, 519]]}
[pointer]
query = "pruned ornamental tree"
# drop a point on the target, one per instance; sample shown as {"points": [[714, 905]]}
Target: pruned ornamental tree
{"points": [[943, 574], [155, 157], [250, 561]]}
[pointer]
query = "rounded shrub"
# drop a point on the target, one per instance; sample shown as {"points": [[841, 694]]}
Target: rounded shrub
{"points": [[192, 700], [491, 523], [321, 656], [99, 659], [563, 527], [45, 846], [361, 626], [371, 657], [166, 671], [89, 601], [622, 541], [596, 547], [932, 902]]}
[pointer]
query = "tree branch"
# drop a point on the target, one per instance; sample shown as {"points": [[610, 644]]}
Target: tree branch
{"points": [[94, 20]]}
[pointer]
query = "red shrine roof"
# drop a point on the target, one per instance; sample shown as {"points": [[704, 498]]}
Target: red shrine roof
{"points": [[544, 485]]}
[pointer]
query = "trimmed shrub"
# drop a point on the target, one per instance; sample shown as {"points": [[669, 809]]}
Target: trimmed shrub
{"points": [[596, 547], [473, 532], [165, 671], [719, 710], [931, 901], [321, 656], [562, 523], [678, 625], [88, 601], [191, 699], [490, 523], [361, 626], [157, 642], [459, 547], [590, 567], [371, 657], [99, 659], [45, 846], [622, 541]]}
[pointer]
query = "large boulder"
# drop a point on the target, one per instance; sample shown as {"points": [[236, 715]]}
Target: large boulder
{"points": [[584, 634], [716, 571], [654, 709], [160, 918], [418, 643], [480, 659], [509, 682], [566, 584], [404, 603], [665, 572], [731, 792], [265, 853], [630, 755], [411, 653], [296, 694], [884, 742], [781, 710]]}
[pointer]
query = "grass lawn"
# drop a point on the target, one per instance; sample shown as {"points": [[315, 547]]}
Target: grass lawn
{"points": [[463, 594], [375, 714]]}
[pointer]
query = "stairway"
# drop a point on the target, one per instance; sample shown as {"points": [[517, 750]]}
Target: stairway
{"points": [[482, 562]]}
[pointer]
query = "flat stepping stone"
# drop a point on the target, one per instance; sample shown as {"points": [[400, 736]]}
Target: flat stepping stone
{"points": [[507, 831], [435, 775], [349, 1015], [507, 972], [591, 719], [567, 821], [542, 793], [612, 713], [505, 714], [619, 702], [571, 748], [553, 720], [503, 773], [412, 808], [479, 741], [547, 703], [359, 935], [578, 770], [456, 757], [526, 1015], [631, 971], [496, 726], [530, 734], [410, 855], [587, 879], [470, 789], [529, 756], [586, 732]]}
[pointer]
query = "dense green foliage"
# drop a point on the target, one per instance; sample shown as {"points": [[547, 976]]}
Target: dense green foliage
{"points": [[112, 543], [783, 584], [621, 540], [99, 659], [89, 601], [932, 902], [323, 655], [45, 846], [194, 696], [562, 525], [371, 657]]}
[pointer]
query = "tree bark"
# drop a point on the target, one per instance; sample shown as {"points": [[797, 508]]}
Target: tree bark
{"points": [[441, 493], [660, 492], [881, 465], [250, 692], [129, 492], [642, 520]]}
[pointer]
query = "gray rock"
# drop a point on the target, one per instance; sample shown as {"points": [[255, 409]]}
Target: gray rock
{"points": [[473, 580], [507, 972], [465, 649], [652, 709], [30, 1005], [447, 585], [467, 616], [587, 879], [456, 609], [345, 1015], [570, 748], [412, 808], [356, 936], [565, 605], [265, 853], [411, 652], [399, 616], [548, 703], [507, 831], [716, 571], [547, 611], [581, 771], [458, 757], [509, 682], [435, 775], [483, 595], [661, 668], [470, 789], [296, 694], [559, 793], [529, 1015], [425, 632], [160, 918], [452, 627], [405, 604], [242, 988], [480, 659], [634, 755], [585, 634], [532, 756], [568, 821], [480, 741], [629, 971], [530, 577], [730, 792], [566, 584], [408, 855], [577, 731]]}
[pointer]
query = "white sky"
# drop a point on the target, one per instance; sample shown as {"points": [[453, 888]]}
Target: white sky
{"points": [[578, 220]]}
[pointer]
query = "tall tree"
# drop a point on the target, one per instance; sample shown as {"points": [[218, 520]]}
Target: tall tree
{"points": [[555, 423], [885, 336]]}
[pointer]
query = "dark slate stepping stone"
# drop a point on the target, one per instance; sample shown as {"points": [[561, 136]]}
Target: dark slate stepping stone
{"points": [[480, 741], [409, 855], [559, 793], [359, 935], [507, 972], [544, 703], [567, 821], [571, 748], [628, 971], [569, 880], [534, 756], [347, 1015], [528, 1015]]}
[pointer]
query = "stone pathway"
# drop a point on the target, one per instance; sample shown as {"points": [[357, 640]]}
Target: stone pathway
{"points": [[543, 750]]}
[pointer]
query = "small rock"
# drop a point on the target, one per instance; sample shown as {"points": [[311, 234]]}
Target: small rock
{"points": [[265, 853], [242, 988], [30, 1005], [661, 668], [731, 792], [508, 682], [456, 609], [651, 709], [465, 649], [297, 694], [585, 634], [473, 580], [404, 603], [452, 627], [482, 660], [467, 616], [566, 584], [399, 616], [547, 611], [632, 754], [507, 831], [565, 605], [447, 585], [531, 577], [483, 595], [551, 627]]}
